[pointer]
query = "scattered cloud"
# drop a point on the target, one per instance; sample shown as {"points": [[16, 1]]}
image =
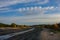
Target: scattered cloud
{"points": [[4, 3], [31, 14], [28, 10], [35, 10]]}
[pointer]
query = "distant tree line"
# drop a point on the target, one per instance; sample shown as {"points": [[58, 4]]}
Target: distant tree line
{"points": [[49, 26], [7, 25], [13, 25], [53, 26]]}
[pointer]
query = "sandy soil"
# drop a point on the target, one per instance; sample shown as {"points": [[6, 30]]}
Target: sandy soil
{"points": [[45, 35]]}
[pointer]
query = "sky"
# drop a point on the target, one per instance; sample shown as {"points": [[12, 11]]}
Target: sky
{"points": [[30, 12]]}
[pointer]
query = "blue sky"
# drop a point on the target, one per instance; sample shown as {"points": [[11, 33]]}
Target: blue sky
{"points": [[30, 11]]}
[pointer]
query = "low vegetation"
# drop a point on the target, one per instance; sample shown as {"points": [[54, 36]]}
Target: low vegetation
{"points": [[53, 27], [13, 26]]}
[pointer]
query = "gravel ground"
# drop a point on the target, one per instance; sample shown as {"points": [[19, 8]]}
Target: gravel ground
{"points": [[46, 35], [9, 31]]}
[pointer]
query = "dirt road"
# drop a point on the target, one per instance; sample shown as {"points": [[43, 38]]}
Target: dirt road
{"points": [[45, 35]]}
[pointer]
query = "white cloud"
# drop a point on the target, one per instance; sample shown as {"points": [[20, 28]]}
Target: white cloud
{"points": [[30, 10], [35, 10], [6, 9], [46, 18], [20, 9], [43, 2], [23, 9], [12, 2], [34, 14]]}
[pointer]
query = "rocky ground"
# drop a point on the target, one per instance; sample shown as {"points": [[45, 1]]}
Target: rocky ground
{"points": [[44, 34], [8, 31], [47, 35]]}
